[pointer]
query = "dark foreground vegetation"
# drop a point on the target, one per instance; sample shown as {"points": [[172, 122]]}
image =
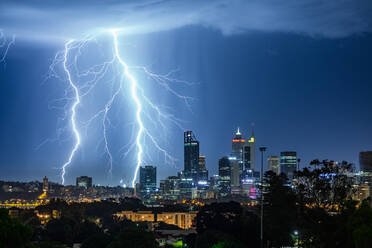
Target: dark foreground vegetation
{"points": [[315, 211]]}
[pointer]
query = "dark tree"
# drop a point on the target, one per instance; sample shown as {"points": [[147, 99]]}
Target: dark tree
{"points": [[360, 226], [13, 233], [134, 238], [279, 210], [84, 230], [51, 244], [230, 219], [60, 230], [322, 191], [325, 184], [98, 240], [213, 238]]}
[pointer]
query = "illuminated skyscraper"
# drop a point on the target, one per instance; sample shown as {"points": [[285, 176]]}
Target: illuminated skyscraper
{"points": [[235, 175], [191, 156], [273, 164], [203, 172], [147, 180], [237, 147], [288, 163], [202, 162], [244, 151], [224, 172], [249, 153]]}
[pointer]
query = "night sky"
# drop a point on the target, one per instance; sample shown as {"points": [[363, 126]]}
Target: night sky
{"points": [[301, 72]]}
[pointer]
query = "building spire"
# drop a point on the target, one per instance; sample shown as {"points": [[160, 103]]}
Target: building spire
{"points": [[238, 132]]}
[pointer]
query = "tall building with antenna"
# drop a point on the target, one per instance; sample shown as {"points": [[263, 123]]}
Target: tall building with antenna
{"points": [[237, 146], [244, 150], [243, 153], [191, 156]]}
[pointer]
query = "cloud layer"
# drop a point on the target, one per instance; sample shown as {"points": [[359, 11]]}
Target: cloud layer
{"points": [[38, 19]]}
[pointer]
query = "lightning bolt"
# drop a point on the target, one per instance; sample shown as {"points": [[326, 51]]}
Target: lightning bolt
{"points": [[82, 83], [133, 91], [6, 44], [73, 111], [104, 121]]}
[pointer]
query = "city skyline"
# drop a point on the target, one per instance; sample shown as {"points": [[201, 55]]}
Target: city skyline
{"points": [[306, 90], [185, 123], [286, 162]]}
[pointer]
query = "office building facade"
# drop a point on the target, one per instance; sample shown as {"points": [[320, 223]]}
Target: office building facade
{"points": [[169, 188], [224, 173], [235, 175], [202, 171], [147, 180], [191, 156], [237, 147], [288, 163]]}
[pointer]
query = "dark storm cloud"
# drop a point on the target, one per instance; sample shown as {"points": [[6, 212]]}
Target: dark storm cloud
{"points": [[37, 19]]}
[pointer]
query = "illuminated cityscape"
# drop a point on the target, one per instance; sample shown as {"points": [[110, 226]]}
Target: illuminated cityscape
{"points": [[185, 124], [172, 209]]}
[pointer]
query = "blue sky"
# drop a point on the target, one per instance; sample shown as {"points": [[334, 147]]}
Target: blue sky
{"points": [[299, 71]]}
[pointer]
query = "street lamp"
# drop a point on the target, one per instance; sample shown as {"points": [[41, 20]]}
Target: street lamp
{"points": [[296, 234], [262, 150]]}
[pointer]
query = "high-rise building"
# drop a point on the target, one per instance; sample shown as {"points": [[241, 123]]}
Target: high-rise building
{"points": [[191, 156], [169, 188], [365, 161], [365, 164], [237, 146], [214, 183], [249, 153], [45, 185], [224, 172], [273, 164], [186, 186], [235, 175], [202, 172], [244, 150], [202, 162], [147, 180], [84, 181], [288, 163]]}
